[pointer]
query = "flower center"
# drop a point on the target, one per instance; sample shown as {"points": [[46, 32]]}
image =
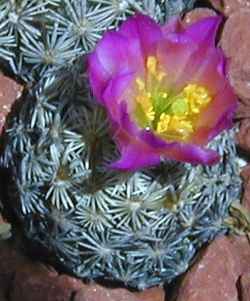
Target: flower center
{"points": [[172, 116]]}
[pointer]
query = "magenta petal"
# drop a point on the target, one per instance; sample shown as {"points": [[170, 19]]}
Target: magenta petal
{"points": [[173, 26], [187, 56], [117, 92], [140, 148], [98, 76], [140, 155], [191, 153], [224, 123], [178, 151], [205, 30], [135, 157], [112, 52], [211, 72], [174, 54], [218, 116], [184, 52], [113, 55], [144, 30]]}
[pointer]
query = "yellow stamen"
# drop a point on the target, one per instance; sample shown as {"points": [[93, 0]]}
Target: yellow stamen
{"points": [[181, 127], [174, 127], [152, 65], [172, 117], [197, 96], [162, 125], [140, 84], [160, 76], [147, 106]]}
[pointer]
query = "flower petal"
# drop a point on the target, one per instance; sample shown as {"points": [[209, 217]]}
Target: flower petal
{"points": [[217, 116], [211, 72], [144, 30], [118, 90], [98, 76], [191, 153], [184, 52], [113, 55], [186, 56], [141, 148], [173, 26], [179, 151], [204, 30], [135, 157]]}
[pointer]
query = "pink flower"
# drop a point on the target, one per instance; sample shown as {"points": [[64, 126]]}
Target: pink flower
{"points": [[165, 90]]}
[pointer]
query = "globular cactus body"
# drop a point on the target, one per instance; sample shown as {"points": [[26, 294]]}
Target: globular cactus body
{"points": [[139, 228]]}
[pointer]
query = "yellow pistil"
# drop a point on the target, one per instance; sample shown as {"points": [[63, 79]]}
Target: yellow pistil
{"points": [[180, 107], [172, 117]]}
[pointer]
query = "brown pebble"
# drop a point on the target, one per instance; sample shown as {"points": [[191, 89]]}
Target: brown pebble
{"points": [[198, 14]]}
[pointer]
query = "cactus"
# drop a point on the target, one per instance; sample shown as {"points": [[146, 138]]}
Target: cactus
{"points": [[40, 36], [141, 228]]}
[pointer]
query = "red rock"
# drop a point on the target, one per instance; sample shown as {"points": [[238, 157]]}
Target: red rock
{"points": [[215, 274], [235, 39], [10, 260], [96, 292], [230, 6], [235, 42], [152, 294], [39, 287], [245, 174], [240, 247], [243, 111], [243, 137], [198, 14], [245, 287], [239, 77], [217, 4], [9, 92], [25, 280]]}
